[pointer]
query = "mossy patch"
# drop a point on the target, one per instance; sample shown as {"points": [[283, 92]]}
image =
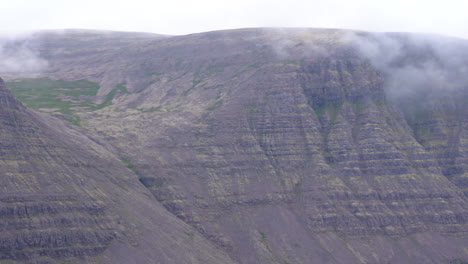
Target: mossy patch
{"points": [[128, 162], [56, 95], [120, 88], [215, 105], [60, 96]]}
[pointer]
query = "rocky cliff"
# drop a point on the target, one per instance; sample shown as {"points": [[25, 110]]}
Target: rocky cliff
{"points": [[290, 146]]}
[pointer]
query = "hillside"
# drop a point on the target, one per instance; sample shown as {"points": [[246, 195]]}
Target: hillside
{"points": [[66, 199], [279, 145]]}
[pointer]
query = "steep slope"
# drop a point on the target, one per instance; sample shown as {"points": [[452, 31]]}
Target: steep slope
{"points": [[64, 198], [293, 146]]}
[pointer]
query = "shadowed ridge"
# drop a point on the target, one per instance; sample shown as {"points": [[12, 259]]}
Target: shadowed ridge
{"points": [[7, 99]]}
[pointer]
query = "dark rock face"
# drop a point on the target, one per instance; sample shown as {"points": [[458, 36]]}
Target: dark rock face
{"points": [[293, 146]]}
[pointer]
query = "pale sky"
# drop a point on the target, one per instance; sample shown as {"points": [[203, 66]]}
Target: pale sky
{"points": [[447, 17]]}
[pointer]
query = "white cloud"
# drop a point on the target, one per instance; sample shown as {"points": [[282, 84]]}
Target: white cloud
{"points": [[182, 17], [19, 57]]}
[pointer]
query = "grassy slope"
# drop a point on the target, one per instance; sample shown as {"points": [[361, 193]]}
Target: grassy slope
{"points": [[64, 97]]}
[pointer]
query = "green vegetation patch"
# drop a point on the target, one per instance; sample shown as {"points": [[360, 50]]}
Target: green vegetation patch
{"points": [[128, 162], [121, 88], [58, 95], [47, 93], [65, 97], [332, 110], [215, 105]]}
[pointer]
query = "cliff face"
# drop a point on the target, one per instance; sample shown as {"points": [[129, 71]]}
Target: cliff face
{"points": [[295, 146], [64, 198]]}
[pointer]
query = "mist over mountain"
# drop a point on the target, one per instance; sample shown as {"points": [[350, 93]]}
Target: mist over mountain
{"points": [[18, 56], [239, 146]]}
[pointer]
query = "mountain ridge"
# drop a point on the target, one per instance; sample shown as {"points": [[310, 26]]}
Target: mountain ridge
{"points": [[293, 145]]}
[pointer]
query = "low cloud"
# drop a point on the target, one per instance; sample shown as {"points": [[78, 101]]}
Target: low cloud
{"points": [[17, 55], [294, 43], [415, 64]]}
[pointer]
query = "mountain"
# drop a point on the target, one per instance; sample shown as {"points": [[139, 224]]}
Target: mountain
{"points": [[278, 145], [66, 199]]}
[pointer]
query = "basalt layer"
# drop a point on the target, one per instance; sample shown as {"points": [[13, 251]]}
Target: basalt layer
{"points": [[289, 146]]}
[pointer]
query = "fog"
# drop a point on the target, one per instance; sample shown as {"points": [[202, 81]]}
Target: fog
{"points": [[296, 44], [415, 65], [182, 17], [18, 55]]}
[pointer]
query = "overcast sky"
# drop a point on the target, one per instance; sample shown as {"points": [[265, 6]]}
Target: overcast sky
{"points": [[448, 17]]}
